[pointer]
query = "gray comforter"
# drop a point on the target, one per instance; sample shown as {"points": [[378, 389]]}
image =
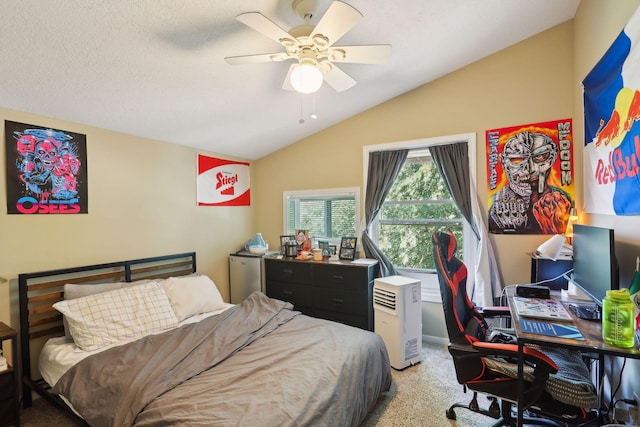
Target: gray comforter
{"points": [[258, 363]]}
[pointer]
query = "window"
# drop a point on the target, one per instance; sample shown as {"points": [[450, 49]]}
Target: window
{"points": [[329, 214], [406, 222], [417, 205]]}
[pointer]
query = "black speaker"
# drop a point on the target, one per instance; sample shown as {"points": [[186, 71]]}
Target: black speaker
{"points": [[533, 291]]}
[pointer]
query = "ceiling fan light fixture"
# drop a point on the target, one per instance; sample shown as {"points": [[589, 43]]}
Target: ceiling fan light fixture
{"points": [[306, 78]]}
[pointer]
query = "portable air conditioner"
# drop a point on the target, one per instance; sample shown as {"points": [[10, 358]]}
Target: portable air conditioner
{"points": [[397, 305]]}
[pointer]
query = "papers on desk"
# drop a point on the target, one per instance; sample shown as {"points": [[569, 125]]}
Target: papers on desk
{"points": [[547, 309], [550, 329]]}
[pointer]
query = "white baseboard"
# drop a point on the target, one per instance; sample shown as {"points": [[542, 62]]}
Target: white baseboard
{"points": [[435, 340]]}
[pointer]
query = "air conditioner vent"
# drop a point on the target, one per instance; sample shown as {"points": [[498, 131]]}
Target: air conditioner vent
{"points": [[384, 298]]}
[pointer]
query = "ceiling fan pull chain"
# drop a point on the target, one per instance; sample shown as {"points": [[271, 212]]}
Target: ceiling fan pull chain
{"points": [[301, 121], [313, 107]]}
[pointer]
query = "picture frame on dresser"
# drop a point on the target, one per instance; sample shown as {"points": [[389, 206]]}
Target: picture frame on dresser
{"points": [[348, 248], [286, 239]]}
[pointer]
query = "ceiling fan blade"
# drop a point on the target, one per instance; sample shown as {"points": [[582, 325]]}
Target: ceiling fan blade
{"points": [[364, 54], [256, 59], [338, 79], [264, 25], [337, 20], [286, 85]]}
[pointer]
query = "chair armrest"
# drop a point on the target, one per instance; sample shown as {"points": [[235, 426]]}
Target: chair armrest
{"points": [[531, 355]]}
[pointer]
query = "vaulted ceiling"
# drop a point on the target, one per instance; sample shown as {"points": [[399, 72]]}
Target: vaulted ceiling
{"points": [[156, 68]]}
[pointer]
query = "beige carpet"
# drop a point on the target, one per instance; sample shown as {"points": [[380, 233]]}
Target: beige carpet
{"points": [[418, 397]]}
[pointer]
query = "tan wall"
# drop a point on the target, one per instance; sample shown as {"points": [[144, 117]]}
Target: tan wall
{"points": [[529, 82], [141, 204], [597, 24]]}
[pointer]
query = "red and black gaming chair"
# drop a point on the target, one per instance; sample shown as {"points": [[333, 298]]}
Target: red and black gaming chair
{"points": [[491, 367]]}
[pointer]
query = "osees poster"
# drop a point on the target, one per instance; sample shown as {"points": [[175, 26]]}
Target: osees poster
{"points": [[530, 178], [222, 182], [46, 170]]}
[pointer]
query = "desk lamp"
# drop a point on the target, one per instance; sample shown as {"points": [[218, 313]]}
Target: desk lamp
{"points": [[573, 219]]}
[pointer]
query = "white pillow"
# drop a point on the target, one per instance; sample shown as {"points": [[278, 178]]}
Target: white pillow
{"points": [[191, 295], [79, 290], [116, 316]]}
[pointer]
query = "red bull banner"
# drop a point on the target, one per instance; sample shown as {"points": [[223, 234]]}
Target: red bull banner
{"points": [[46, 170], [530, 178], [612, 134], [222, 182]]}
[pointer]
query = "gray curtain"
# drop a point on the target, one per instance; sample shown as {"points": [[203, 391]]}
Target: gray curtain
{"points": [[485, 285], [450, 158], [384, 167]]}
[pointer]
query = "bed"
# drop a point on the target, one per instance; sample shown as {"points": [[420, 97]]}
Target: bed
{"points": [[149, 341]]}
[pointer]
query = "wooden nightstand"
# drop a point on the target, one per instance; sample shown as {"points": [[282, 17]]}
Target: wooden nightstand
{"points": [[9, 401]]}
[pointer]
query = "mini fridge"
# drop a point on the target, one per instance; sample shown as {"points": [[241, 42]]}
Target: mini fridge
{"points": [[246, 274]]}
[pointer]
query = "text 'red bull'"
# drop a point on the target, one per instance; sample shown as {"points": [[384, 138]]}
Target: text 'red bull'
{"points": [[619, 166]]}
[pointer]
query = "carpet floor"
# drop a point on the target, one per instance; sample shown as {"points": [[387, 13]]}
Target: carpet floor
{"points": [[418, 397]]}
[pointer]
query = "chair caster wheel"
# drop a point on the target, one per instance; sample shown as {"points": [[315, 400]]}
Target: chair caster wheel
{"points": [[450, 414], [494, 409]]}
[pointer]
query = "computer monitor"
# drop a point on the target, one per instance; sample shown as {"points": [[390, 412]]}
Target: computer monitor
{"points": [[595, 267]]}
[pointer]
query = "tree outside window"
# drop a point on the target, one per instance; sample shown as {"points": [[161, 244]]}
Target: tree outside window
{"points": [[417, 205]]}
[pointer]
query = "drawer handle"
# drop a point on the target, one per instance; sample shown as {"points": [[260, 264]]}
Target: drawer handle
{"points": [[287, 292], [337, 300], [337, 278], [287, 273]]}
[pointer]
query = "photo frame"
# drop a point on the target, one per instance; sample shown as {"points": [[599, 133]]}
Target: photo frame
{"points": [[348, 248], [286, 239], [302, 239], [333, 250]]}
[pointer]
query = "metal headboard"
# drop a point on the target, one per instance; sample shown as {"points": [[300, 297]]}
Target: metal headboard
{"points": [[39, 291]]}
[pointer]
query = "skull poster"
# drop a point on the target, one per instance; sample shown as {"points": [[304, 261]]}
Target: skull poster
{"points": [[530, 178], [46, 170]]}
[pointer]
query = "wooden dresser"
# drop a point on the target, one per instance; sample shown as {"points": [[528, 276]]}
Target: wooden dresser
{"points": [[340, 291]]}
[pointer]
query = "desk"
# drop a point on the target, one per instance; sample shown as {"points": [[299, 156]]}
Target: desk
{"points": [[592, 343]]}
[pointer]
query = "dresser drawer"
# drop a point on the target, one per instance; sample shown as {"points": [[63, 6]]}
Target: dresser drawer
{"points": [[340, 276], [292, 272], [297, 294], [340, 301]]}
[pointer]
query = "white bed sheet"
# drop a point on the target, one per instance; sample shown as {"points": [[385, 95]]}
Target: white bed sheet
{"points": [[58, 355]]}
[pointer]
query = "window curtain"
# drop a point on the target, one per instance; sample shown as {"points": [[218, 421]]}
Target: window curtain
{"points": [[384, 167], [452, 160]]}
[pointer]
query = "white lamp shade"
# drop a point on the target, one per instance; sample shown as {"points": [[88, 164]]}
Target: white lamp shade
{"points": [[306, 78], [552, 247]]}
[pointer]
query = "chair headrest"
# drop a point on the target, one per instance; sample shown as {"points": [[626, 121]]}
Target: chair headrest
{"points": [[446, 240]]}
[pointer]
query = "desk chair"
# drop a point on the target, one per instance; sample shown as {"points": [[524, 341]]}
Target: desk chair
{"points": [[491, 367]]}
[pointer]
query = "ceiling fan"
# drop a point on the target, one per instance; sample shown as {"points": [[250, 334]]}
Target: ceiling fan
{"points": [[312, 47]]}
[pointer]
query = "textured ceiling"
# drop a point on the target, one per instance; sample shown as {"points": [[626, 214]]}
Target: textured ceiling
{"points": [[156, 69]]}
